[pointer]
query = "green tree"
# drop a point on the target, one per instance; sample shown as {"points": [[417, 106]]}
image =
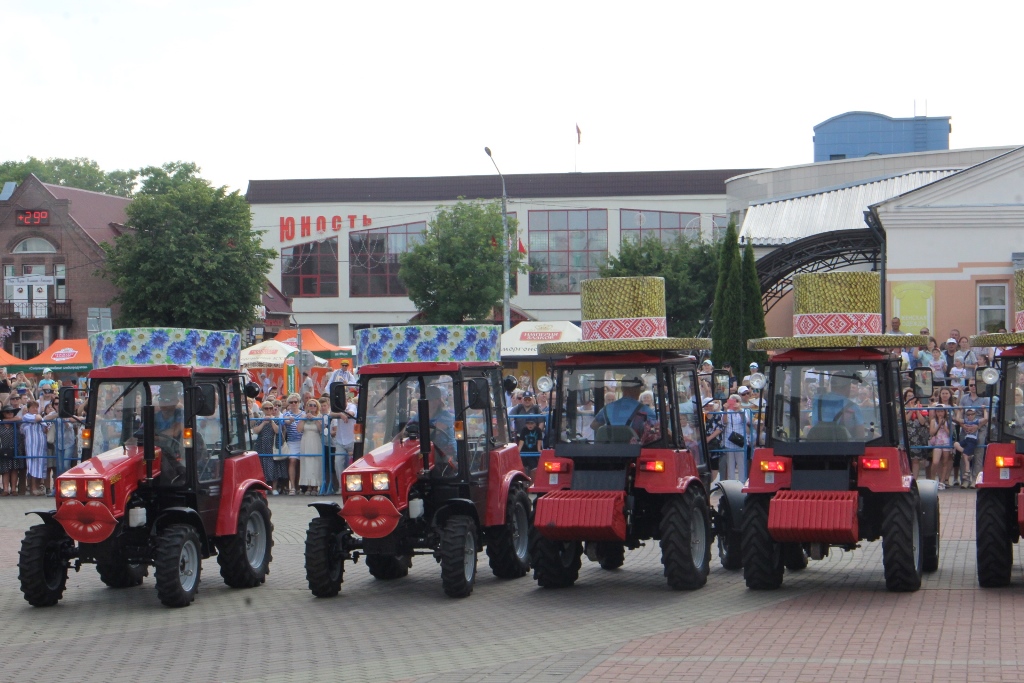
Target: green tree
{"points": [[753, 310], [727, 333], [454, 275], [190, 259], [690, 269], [85, 174]]}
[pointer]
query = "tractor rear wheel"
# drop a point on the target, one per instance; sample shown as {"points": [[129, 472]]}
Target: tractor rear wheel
{"points": [[509, 552], [611, 555], [325, 560], [994, 537], [178, 565], [730, 539], [458, 556], [117, 573], [388, 567], [245, 557], [762, 556], [794, 557], [556, 564], [42, 569], [902, 551], [685, 549]]}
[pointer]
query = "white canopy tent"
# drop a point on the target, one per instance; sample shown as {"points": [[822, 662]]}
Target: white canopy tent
{"points": [[521, 341], [272, 354]]}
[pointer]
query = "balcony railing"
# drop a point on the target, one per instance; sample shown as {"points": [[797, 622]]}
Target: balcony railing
{"points": [[37, 310]]}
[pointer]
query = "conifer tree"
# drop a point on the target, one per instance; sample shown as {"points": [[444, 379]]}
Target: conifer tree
{"points": [[753, 324], [727, 333]]}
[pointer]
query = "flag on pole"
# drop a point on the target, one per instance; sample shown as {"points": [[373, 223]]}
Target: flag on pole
{"points": [[579, 134], [522, 249]]}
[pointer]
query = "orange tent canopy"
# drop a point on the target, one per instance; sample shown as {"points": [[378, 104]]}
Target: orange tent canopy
{"points": [[7, 359], [311, 341], [64, 355]]}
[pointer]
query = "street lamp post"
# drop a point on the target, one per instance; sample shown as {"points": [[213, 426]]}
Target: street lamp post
{"points": [[506, 318]]}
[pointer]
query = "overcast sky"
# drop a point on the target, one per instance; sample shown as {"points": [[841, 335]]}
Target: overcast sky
{"points": [[258, 90]]}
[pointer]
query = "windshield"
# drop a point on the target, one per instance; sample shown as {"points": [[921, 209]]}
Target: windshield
{"points": [[607, 405], [391, 402], [1013, 410], [119, 413], [825, 402]]}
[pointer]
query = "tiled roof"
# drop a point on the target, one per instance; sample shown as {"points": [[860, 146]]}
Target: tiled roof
{"points": [[275, 300], [522, 186], [94, 211]]}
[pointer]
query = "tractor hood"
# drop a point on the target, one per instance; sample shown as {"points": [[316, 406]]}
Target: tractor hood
{"points": [[376, 487]]}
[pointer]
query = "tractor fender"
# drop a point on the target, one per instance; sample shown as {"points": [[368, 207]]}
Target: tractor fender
{"points": [[456, 506], [497, 498], [47, 517], [928, 492], [327, 509], [733, 498], [182, 515], [231, 500]]}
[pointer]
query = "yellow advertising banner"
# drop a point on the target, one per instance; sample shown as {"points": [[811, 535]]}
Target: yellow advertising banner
{"points": [[914, 304]]}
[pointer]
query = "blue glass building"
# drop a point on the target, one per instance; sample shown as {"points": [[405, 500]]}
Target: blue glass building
{"points": [[862, 133]]}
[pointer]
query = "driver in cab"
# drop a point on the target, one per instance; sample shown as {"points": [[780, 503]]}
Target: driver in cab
{"points": [[442, 431], [835, 407], [169, 425]]}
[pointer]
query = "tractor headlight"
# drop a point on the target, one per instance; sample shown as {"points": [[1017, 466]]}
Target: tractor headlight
{"points": [[353, 482], [68, 488], [94, 488], [381, 481]]}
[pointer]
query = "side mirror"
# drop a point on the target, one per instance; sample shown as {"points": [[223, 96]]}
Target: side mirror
{"points": [[205, 399], [720, 381], [339, 397], [922, 382], [479, 395], [252, 390], [66, 407]]}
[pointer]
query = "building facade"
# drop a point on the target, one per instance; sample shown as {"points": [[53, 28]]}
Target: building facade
{"points": [[340, 240], [864, 133]]}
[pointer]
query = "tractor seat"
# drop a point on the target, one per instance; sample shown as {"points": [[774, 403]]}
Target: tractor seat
{"points": [[614, 434], [828, 431]]}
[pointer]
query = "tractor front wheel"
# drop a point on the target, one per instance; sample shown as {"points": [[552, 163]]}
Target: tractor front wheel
{"points": [[762, 556], [685, 550], [244, 558], [902, 551], [610, 555], [994, 537], [325, 559], [42, 568], [730, 540], [556, 564], [794, 557], [117, 573], [388, 567], [178, 565], [509, 552], [458, 556]]}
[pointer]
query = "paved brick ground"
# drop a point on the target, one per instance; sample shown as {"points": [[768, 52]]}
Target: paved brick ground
{"points": [[832, 622]]}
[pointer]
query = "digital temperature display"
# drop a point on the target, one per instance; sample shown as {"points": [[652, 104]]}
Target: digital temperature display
{"points": [[32, 218]]}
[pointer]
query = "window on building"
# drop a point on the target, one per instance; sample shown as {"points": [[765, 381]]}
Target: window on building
{"points": [[992, 313], [373, 258], [719, 224], [565, 248], [311, 269], [836, 157], [34, 245], [60, 281], [665, 226]]}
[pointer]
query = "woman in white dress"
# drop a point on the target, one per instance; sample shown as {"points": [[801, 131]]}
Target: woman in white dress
{"points": [[311, 474]]}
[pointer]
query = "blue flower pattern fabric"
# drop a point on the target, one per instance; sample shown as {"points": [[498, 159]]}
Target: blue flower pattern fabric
{"points": [[166, 345], [428, 343]]}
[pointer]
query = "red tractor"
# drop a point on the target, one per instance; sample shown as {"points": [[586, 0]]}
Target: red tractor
{"points": [[1000, 496], [619, 470], [436, 471], [835, 467], [166, 478]]}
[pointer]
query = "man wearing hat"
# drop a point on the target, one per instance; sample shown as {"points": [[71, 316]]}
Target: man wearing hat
{"points": [[626, 410], [169, 425], [949, 353], [754, 367], [527, 407]]}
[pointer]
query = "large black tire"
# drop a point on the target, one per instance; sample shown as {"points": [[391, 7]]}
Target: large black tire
{"points": [[116, 573], [931, 543], [610, 555], [762, 556], [994, 537], [245, 557], [686, 540], [388, 567], [508, 552], [794, 557], [458, 556], [42, 569], [902, 551], [325, 559], [556, 564], [730, 538], [179, 565]]}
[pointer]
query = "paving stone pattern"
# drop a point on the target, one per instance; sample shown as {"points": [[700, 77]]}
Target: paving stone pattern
{"points": [[832, 622]]}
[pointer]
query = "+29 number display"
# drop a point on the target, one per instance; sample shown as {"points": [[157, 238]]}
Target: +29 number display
{"points": [[33, 218]]}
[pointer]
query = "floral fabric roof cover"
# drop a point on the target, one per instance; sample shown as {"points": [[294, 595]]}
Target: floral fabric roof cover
{"points": [[428, 343], [166, 346]]}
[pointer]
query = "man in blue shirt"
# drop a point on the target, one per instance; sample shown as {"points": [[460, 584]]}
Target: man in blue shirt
{"points": [[620, 412], [836, 407]]}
